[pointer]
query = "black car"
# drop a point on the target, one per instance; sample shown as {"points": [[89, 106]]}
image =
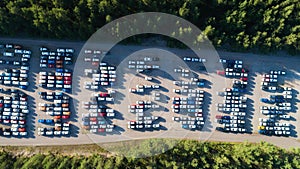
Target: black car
{"points": [[25, 63], [102, 106], [241, 117], [8, 70], [44, 57], [51, 73], [7, 90], [15, 71], [65, 101], [15, 75], [269, 132], [68, 62], [42, 93]]}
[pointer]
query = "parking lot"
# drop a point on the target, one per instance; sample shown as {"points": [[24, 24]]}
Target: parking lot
{"points": [[163, 109]]}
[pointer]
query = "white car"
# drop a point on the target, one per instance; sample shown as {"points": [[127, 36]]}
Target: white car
{"points": [[155, 86], [286, 117], [288, 92], [25, 67]]}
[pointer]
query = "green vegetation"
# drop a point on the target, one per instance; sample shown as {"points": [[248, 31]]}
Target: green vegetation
{"points": [[242, 25], [187, 154]]}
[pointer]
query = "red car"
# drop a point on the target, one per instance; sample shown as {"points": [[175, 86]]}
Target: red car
{"points": [[103, 94], [244, 71], [67, 82], [65, 117], [102, 114], [218, 116], [101, 130], [1, 104], [56, 117], [220, 72], [244, 79], [93, 119], [22, 129], [95, 63], [68, 78], [50, 65]]}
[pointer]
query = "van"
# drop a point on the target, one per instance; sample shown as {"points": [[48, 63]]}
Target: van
{"points": [[59, 86], [50, 85], [24, 83], [7, 82], [24, 75], [8, 54], [67, 86]]}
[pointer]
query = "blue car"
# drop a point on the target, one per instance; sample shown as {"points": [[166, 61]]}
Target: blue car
{"points": [[59, 82], [23, 87], [58, 93], [200, 84], [60, 70], [226, 117], [41, 120], [66, 90], [6, 105], [191, 102], [175, 102], [49, 121], [68, 70], [235, 89], [51, 61], [265, 100], [185, 126]]}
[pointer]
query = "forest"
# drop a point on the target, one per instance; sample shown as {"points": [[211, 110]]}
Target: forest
{"points": [[187, 154], [237, 25]]}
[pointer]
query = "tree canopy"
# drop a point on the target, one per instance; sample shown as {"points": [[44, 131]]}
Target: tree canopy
{"points": [[255, 25], [187, 154]]}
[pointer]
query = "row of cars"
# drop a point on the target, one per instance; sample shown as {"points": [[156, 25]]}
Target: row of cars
{"points": [[270, 81], [15, 77], [13, 112], [59, 129], [190, 103], [140, 88], [57, 104], [58, 107], [18, 57], [105, 76], [142, 120], [233, 68], [56, 59], [61, 79], [143, 65], [196, 82], [98, 115], [234, 105], [276, 107], [97, 118]]}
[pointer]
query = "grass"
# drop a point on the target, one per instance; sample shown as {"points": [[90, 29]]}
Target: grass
{"points": [[84, 149]]}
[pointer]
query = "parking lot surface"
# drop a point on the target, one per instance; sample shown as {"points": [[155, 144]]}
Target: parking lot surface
{"points": [[128, 78]]}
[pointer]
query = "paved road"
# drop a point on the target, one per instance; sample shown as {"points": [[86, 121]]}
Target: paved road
{"points": [[257, 64]]}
